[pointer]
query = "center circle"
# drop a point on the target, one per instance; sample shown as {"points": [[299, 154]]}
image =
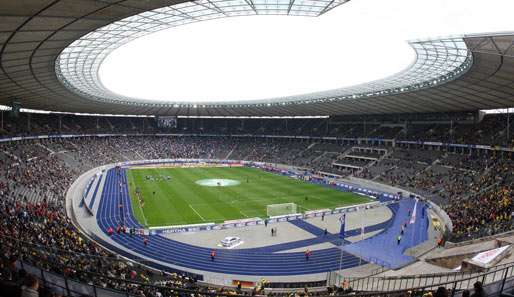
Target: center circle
{"points": [[217, 182]]}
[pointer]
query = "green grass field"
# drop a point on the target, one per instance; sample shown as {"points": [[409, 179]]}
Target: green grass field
{"points": [[181, 201]]}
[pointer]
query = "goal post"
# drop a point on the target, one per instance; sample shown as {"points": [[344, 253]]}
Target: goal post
{"points": [[281, 209]]}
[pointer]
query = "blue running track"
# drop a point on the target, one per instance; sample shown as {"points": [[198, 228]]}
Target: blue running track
{"points": [[114, 209]]}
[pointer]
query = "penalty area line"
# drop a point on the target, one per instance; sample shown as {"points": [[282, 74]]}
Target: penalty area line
{"points": [[196, 212]]}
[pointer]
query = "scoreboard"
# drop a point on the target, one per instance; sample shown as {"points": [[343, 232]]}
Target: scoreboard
{"points": [[167, 122]]}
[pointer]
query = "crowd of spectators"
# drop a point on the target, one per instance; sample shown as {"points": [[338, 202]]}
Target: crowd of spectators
{"points": [[39, 233], [485, 206], [358, 162], [476, 191], [493, 129]]}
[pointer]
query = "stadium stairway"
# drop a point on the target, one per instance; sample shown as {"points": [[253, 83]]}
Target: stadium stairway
{"points": [[391, 254], [115, 207]]}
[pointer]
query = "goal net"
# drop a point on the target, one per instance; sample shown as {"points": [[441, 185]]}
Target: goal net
{"points": [[281, 209]]}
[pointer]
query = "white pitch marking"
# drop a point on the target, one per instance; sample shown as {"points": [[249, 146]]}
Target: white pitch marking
{"points": [[197, 213]]}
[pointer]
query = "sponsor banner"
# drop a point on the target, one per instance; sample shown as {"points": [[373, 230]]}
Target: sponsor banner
{"points": [[462, 145], [489, 256], [244, 284], [433, 143], [185, 165], [370, 205], [469, 146], [484, 147], [186, 162], [242, 221], [284, 218], [139, 231], [348, 209], [168, 231], [341, 210], [392, 196], [316, 213], [319, 214], [180, 228], [341, 185], [228, 226]]}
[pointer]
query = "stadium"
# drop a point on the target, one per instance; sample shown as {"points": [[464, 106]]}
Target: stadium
{"points": [[397, 184]]}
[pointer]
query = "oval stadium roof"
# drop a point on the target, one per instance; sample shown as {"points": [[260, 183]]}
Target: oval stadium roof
{"points": [[51, 51]]}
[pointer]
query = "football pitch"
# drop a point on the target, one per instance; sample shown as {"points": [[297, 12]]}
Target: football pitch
{"points": [[179, 196]]}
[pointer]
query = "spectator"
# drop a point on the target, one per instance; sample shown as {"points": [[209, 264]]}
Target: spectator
{"points": [[308, 254], [30, 288], [478, 290], [441, 292]]}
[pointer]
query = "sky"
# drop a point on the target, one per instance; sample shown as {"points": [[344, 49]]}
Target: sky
{"points": [[263, 57]]}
